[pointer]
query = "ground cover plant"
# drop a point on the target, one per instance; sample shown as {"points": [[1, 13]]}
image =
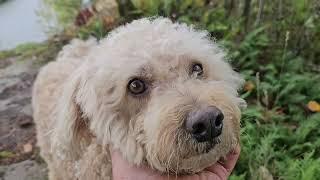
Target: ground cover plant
{"points": [[275, 45]]}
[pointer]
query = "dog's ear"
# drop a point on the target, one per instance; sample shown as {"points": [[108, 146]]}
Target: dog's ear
{"points": [[70, 130]]}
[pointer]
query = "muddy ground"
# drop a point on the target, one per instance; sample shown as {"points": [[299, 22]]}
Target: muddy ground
{"points": [[19, 156]]}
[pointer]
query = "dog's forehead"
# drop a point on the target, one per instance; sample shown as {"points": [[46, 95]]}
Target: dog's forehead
{"points": [[146, 40], [158, 66], [159, 47]]}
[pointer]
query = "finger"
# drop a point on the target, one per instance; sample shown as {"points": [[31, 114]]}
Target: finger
{"points": [[121, 169], [219, 170], [225, 167], [204, 175], [231, 159]]}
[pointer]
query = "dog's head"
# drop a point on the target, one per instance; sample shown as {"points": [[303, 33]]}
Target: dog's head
{"points": [[158, 91]]}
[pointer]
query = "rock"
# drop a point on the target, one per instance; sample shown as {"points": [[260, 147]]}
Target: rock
{"points": [[25, 170], [17, 129], [19, 156]]}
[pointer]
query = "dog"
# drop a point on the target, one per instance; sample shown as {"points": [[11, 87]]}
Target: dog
{"points": [[159, 92]]}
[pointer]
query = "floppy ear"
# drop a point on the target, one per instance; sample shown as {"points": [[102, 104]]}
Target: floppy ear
{"points": [[70, 127], [221, 70]]}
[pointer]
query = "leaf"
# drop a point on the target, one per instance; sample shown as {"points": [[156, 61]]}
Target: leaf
{"points": [[168, 6], [148, 6], [313, 106], [253, 34], [184, 5], [199, 3]]}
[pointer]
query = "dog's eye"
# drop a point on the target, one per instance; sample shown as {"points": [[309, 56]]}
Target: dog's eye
{"points": [[196, 70], [136, 86]]}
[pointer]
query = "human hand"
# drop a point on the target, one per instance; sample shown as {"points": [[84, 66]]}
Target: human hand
{"points": [[221, 170]]}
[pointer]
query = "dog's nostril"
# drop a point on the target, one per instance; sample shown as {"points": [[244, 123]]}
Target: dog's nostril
{"points": [[218, 121], [199, 128]]}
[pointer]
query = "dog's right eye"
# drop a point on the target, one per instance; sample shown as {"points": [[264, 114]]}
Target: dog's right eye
{"points": [[136, 86]]}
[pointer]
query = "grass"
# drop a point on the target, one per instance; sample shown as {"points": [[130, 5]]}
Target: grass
{"points": [[5, 154], [44, 51], [276, 47]]}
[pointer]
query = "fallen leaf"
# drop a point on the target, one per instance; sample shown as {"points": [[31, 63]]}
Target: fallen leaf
{"points": [[280, 110], [108, 20], [249, 86], [27, 148], [314, 106]]}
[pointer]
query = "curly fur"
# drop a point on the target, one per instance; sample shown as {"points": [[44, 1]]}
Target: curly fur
{"points": [[82, 105]]}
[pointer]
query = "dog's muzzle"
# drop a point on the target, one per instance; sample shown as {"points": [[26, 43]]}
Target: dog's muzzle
{"points": [[204, 123]]}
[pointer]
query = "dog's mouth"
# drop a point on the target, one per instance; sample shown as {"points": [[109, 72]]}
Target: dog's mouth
{"points": [[196, 151]]}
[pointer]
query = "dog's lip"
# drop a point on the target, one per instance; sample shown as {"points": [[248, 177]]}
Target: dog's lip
{"points": [[206, 147]]}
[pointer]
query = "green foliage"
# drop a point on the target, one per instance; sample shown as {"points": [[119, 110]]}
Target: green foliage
{"points": [[94, 28]]}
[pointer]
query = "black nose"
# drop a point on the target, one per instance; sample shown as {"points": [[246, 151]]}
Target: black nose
{"points": [[205, 123]]}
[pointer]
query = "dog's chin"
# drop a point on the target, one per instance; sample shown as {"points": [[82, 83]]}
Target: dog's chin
{"points": [[209, 153], [199, 160]]}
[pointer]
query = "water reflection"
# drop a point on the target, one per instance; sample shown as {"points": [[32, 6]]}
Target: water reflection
{"points": [[19, 23]]}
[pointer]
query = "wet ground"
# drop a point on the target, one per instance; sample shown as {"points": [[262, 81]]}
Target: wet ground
{"points": [[19, 157]]}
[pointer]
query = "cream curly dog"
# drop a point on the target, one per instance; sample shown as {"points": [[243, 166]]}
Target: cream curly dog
{"points": [[159, 92]]}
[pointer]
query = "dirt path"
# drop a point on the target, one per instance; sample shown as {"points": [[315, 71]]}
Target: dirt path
{"points": [[19, 157]]}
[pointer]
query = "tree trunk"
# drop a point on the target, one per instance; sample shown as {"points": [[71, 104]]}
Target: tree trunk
{"points": [[260, 12], [246, 13], [231, 7]]}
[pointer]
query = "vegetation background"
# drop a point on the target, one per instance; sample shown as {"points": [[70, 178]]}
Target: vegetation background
{"points": [[274, 44]]}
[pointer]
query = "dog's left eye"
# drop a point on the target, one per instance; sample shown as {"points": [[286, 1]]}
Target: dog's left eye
{"points": [[136, 86], [197, 70]]}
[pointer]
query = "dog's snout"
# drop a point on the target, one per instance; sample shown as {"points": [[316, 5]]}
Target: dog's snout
{"points": [[205, 123]]}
